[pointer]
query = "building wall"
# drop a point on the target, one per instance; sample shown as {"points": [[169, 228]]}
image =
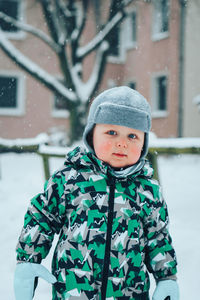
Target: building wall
{"points": [[38, 100], [139, 64], [150, 58], [191, 114]]}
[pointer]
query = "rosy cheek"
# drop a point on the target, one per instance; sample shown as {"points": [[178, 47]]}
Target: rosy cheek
{"points": [[136, 152], [106, 146], [103, 148]]}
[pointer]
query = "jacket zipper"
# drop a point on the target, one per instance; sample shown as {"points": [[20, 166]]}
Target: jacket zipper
{"points": [[108, 238]]}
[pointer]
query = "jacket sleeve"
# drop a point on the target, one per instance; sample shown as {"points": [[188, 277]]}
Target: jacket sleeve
{"points": [[43, 219], [160, 255]]}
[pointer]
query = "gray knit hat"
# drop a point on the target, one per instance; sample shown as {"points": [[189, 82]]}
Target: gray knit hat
{"points": [[119, 106]]}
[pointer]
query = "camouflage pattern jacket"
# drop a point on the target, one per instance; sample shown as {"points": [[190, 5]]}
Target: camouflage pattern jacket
{"points": [[112, 231]]}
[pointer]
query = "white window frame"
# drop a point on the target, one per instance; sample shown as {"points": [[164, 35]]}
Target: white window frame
{"points": [[111, 83], [156, 113], [125, 42], [19, 34], [121, 57], [127, 31], [156, 33], [58, 113], [20, 101]]}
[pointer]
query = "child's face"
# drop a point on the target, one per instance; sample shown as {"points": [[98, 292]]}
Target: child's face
{"points": [[119, 146]]}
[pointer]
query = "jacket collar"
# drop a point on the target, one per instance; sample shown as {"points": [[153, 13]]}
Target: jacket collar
{"points": [[81, 157]]}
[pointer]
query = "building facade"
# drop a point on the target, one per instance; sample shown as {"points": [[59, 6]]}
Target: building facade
{"points": [[191, 83], [145, 55]]}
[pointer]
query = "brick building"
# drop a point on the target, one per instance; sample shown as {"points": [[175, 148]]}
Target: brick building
{"points": [[153, 52]]}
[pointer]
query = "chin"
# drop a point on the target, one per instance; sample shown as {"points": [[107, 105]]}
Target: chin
{"points": [[119, 165], [122, 165]]}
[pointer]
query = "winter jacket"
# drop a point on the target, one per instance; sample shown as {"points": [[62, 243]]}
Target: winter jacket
{"points": [[112, 231]]}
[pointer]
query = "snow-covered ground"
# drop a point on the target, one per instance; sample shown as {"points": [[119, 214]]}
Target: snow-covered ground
{"points": [[21, 177]]}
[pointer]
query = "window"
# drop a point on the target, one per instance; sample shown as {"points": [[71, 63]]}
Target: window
{"points": [[114, 41], [160, 84], [130, 30], [11, 95], [133, 21], [160, 19], [132, 85], [122, 38], [59, 107], [12, 8]]}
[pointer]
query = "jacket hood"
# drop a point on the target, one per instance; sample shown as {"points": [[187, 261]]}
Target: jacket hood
{"points": [[81, 158]]}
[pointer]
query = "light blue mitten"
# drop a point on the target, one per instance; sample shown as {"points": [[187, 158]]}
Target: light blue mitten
{"points": [[24, 279], [166, 288]]}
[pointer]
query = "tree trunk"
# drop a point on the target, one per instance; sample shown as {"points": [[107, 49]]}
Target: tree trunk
{"points": [[76, 124]]}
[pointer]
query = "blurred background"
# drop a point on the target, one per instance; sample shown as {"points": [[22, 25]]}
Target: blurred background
{"points": [[54, 60], [55, 57]]}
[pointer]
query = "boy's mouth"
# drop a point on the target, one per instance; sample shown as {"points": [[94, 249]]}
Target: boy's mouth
{"points": [[119, 154]]}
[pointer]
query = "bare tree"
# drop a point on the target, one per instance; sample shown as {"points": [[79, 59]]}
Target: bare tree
{"points": [[66, 22]]}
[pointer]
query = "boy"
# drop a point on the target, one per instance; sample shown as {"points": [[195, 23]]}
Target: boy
{"points": [[108, 211]]}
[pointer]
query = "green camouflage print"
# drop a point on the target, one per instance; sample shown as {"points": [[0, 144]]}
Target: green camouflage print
{"points": [[75, 205]]}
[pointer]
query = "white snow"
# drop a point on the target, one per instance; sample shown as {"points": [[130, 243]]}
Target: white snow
{"points": [[56, 150], [39, 139], [43, 149], [21, 177], [174, 142]]}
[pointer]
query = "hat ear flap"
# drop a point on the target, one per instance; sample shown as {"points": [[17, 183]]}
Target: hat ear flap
{"points": [[145, 145], [89, 139]]}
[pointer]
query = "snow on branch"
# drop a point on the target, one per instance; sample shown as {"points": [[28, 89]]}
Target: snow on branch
{"points": [[85, 90], [66, 12], [32, 30], [81, 26], [126, 2], [97, 40], [35, 70], [55, 27], [94, 77]]}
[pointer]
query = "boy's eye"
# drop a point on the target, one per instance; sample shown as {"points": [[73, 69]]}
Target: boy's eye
{"points": [[132, 136], [111, 132]]}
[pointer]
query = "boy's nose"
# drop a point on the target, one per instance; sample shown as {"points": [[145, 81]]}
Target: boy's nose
{"points": [[122, 143]]}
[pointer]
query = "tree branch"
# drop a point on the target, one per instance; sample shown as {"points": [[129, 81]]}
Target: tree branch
{"points": [[52, 20], [114, 20], [64, 17], [99, 64], [56, 24], [79, 30], [36, 71], [97, 40], [85, 90], [32, 30], [65, 11]]}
